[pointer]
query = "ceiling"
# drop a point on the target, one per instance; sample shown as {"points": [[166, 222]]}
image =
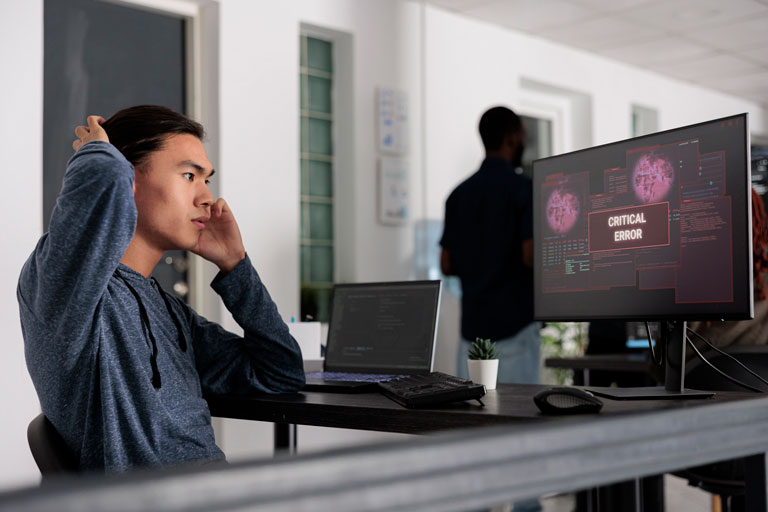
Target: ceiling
{"points": [[718, 44]]}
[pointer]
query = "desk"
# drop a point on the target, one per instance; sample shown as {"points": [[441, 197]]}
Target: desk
{"points": [[626, 369], [524, 455], [507, 404], [655, 437]]}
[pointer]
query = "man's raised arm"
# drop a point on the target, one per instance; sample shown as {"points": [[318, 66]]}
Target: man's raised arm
{"points": [[91, 225]]}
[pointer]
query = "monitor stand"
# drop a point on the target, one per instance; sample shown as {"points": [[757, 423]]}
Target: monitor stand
{"points": [[672, 344]]}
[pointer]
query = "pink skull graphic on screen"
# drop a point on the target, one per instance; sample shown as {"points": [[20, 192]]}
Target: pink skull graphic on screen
{"points": [[652, 178], [562, 211]]}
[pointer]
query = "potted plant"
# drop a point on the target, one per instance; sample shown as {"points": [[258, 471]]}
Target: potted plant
{"points": [[483, 363]]}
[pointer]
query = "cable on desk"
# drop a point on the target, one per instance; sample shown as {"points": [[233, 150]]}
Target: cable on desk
{"points": [[753, 373], [722, 373]]}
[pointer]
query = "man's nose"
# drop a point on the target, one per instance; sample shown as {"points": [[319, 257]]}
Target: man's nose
{"points": [[205, 197]]}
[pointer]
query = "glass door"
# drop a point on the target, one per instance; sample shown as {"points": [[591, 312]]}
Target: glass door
{"points": [[538, 141]]}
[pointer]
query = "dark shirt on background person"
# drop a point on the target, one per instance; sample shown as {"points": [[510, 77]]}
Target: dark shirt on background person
{"points": [[488, 243], [487, 218]]}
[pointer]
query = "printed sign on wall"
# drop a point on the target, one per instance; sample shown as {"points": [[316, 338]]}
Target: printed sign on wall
{"points": [[392, 106], [393, 191]]}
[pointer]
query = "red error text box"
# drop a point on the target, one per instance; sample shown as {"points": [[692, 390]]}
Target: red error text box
{"points": [[629, 228]]}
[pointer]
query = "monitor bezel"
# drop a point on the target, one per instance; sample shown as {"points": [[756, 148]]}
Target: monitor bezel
{"points": [[627, 315]]}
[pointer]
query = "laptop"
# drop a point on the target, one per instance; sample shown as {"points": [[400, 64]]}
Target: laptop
{"points": [[378, 332]]}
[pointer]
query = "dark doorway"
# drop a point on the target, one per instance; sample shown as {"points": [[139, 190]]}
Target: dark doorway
{"points": [[538, 141], [99, 58]]}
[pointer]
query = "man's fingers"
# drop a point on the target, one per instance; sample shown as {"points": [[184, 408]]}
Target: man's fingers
{"points": [[94, 122], [219, 207], [93, 131]]}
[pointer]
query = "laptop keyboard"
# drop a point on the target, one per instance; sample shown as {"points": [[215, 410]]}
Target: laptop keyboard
{"points": [[353, 377], [432, 389]]}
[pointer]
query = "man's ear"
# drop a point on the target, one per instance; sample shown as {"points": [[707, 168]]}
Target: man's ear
{"points": [[136, 174]]}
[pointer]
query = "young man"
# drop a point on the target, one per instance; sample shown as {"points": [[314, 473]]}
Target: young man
{"points": [[119, 365], [487, 242]]}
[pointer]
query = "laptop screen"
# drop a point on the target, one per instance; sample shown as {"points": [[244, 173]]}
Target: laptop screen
{"points": [[383, 327]]}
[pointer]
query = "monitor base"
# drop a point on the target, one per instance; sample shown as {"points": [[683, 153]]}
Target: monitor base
{"points": [[646, 393]]}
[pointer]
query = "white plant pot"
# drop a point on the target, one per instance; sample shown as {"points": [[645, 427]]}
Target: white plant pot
{"points": [[483, 371]]}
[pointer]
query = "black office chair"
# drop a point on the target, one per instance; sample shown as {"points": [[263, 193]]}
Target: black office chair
{"points": [[725, 478], [51, 453]]}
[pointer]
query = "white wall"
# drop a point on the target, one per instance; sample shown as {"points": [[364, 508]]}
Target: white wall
{"points": [[21, 130], [469, 66], [260, 130], [486, 66], [259, 148]]}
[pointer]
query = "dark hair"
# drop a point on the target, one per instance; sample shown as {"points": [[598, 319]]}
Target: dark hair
{"points": [[497, 123], [138, 131]]}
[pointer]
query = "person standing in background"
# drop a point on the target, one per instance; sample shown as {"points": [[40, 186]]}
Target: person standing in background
{"points": [[487, 242]]}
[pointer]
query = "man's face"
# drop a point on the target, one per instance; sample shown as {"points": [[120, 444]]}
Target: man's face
{"points": [[513, 147], [172, 195]]}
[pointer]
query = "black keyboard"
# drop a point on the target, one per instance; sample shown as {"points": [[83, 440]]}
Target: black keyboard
{"points": [[432, 389]]}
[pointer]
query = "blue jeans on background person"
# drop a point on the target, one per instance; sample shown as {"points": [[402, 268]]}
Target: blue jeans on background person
{"points": [[520, 363]]}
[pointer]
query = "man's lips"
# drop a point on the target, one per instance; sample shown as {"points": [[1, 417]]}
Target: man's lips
{"points": [[200, 221]]}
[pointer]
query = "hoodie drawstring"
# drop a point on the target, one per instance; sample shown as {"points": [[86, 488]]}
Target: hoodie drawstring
{"points": [[182, 339], [156, 382]]}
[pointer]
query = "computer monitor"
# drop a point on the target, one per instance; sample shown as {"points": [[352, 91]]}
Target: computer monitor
{"points": [[653, 228]]}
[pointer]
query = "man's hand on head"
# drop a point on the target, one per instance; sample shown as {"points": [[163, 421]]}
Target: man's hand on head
{"points": [[93, 131], [220, 242]]}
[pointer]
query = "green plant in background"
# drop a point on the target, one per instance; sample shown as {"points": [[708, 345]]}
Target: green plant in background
{"points": [[483, 349], [562, 339]]}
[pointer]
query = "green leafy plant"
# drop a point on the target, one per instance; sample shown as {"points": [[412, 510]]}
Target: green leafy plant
{"points": [[562, 339], [483, 349]]}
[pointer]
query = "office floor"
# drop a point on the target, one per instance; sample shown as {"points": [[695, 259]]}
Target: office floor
{"points": [[679, 497]]}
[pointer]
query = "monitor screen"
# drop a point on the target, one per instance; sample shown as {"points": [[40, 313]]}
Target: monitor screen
{"points": [[383, 327], [650, 228]]}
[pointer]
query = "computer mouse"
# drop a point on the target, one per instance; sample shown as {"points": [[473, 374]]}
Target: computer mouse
{"points": [[566, 400]]}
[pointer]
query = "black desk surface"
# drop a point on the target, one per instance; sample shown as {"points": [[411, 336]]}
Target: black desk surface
{"points": [[508, 404]]}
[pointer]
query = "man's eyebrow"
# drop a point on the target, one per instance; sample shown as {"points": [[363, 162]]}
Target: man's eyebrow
{"points": [[199, 169]]}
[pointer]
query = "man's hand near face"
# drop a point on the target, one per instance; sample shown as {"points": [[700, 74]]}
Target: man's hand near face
{"points": [[220, 242], [93, 131]]}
